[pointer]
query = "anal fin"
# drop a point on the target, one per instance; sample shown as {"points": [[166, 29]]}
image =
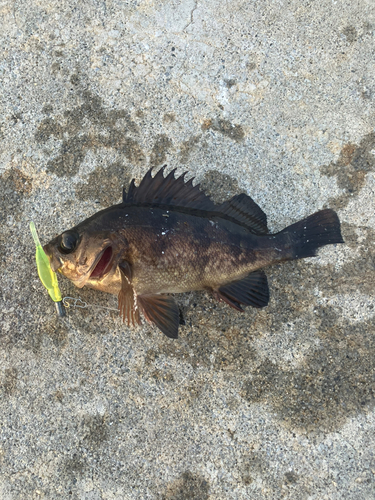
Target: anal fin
{"points": [[250, 291], [161, 310], [127, 298]]}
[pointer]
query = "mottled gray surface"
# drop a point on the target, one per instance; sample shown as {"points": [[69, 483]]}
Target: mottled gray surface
{"points": [[275, 99]]}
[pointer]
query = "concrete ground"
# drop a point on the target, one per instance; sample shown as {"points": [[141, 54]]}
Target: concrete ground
{"points": [[275, 99]]}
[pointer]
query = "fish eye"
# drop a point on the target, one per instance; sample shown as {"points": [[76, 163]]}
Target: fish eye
{"points": [[69, 242]]}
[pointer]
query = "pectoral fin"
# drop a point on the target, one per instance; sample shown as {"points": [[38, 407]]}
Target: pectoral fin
{"points": [[250, 291], [163, 311], [127, 298]]}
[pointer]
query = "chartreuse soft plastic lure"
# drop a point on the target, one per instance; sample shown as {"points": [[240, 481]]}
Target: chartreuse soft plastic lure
{"points": [[46, 275]]}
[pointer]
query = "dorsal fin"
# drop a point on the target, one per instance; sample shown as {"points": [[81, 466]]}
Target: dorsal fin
{"points": [[160, 190], [245, 210], [168, 191]]}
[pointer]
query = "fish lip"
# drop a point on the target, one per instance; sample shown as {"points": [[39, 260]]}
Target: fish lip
{"points": [[96, 262], [54, 266], [54, 261]]}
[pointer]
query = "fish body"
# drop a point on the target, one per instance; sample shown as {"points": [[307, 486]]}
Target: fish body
{"points": [[167, 237]]}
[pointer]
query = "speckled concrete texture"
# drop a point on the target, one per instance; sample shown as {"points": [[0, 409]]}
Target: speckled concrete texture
{"points": [[275, 99]]}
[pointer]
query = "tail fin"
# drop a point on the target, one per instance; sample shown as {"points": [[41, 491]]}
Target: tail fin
{"points": [[317, 230]]}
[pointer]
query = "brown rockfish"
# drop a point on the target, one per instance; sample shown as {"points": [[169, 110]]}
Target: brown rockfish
{"points": [[167, 236]]}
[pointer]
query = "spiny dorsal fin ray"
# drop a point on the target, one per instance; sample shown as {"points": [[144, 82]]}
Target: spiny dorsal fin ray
{"points": [[169, 191], [160, 190]]}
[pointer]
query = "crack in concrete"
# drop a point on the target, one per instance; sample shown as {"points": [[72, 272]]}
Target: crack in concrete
{"points": [[191, 16]]}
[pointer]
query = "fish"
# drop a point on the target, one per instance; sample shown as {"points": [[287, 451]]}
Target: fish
{"points": [[167, 236]]}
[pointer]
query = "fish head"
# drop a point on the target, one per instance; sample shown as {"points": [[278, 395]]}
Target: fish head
{"points": [[83, 255]]}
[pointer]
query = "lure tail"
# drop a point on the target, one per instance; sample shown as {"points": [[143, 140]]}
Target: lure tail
{"points": [[317, 230]]}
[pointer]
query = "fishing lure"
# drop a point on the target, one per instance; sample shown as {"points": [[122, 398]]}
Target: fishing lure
{"points": [[46, 275]]}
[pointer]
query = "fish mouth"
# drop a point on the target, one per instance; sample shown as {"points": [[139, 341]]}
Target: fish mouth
{"points": [[54, 262], [103, 264]]}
